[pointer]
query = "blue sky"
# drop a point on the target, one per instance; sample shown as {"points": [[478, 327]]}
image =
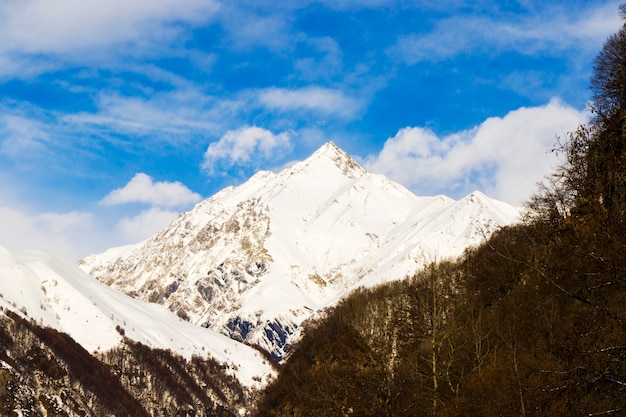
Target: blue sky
{"points": [[115, 116]]}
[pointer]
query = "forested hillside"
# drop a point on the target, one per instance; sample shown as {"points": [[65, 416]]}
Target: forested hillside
{"points": [[531, 323], [46, 373]]}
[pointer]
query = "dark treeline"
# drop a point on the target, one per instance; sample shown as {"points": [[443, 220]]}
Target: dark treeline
{"points": [[531, 323]]}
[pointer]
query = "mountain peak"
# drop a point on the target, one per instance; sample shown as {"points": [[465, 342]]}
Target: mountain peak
{"points": [[339, 158], [329, 148], [257, 260], [475, 196]]}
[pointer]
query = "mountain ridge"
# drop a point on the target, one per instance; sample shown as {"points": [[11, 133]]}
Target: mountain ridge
{"points": [[52, 292], [254, 261]]}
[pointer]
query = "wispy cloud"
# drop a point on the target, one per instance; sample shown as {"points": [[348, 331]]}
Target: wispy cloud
{"points": [[21, 136], [35, 138], [250, 25], [505, 157], [131, 124], [317, 99], [243, 146], [168, 116], [143, 189], [555, 29]]}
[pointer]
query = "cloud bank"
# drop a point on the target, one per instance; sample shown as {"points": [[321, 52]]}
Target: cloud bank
{"points": [[60, 233], [504, 157]]}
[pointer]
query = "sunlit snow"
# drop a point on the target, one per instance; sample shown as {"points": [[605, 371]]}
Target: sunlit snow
{"points": [[55, 293]]}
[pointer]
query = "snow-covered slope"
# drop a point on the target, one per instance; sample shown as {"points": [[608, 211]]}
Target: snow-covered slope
{"points": [[58, 294], [256, 260]]}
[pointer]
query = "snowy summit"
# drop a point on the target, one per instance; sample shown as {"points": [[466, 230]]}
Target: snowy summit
{"points": [[254, 261]]}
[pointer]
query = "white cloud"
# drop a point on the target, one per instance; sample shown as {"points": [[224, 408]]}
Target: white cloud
{"points": [[551, 30], [317, 99], [62, 26], [65, 234], [504, 157], [142, 189], [75, 234], [244, 146], [43, 35], [145, 224]]}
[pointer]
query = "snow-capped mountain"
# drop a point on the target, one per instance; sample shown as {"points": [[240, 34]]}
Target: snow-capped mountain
{"points": [[256, 260], [58, 294]]}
